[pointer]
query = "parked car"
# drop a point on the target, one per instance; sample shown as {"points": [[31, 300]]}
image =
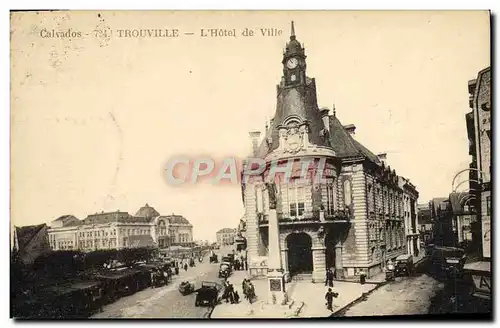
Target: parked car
{"points": [[186, 288], [448, 261], [207, 294], [224, 270], [404, 265]]}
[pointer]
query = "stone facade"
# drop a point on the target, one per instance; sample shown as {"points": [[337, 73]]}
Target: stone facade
{"points": [[479, 131], [359, 215], [114, 230], [226, 236]]}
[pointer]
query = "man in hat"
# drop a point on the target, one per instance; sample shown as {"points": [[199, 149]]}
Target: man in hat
{"points": [[329, 298]]}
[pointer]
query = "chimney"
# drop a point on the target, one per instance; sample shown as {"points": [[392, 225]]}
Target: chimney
{"points": [[325, 117], [254, 136], [382, 157], [350, 128]]}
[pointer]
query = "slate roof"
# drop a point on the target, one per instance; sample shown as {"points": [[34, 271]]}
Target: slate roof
{"points": [[65, 218], [226, 230], [176, 219], [27, 233], [147, 212], [344, 145], [108, 217]]}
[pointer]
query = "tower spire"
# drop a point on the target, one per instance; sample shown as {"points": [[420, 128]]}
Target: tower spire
{"points": [[292, 34]]}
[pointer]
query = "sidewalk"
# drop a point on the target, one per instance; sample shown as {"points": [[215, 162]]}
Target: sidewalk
{"points": [[313, 296], [259, 308], [307, 299]]}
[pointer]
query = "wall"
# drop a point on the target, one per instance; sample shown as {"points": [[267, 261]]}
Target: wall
{"points": [[486, 223]]}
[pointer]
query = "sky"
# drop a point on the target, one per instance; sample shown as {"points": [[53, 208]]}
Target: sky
{"points": [[94, 119]]}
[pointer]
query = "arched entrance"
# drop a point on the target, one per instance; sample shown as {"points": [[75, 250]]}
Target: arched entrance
{"points": [[299, 253], [330, 250]]}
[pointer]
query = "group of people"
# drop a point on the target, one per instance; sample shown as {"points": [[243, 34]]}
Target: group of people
{"points": [[248, 290], [240, 264], [164, 274], [230, 295]]}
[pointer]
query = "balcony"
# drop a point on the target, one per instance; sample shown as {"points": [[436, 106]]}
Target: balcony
{"points": [[338, 216]]}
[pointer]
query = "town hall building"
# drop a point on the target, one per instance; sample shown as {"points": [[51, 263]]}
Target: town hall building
{"points": [[357, 217]]}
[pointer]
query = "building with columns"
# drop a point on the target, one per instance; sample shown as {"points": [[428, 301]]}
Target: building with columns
{"points": [[356, 218], [114, 230]]}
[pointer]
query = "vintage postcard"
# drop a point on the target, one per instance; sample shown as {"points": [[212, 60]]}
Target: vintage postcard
{"points": [[250, 164]]}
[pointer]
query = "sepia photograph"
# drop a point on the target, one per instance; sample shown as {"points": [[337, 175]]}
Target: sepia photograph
{"points": [[250, 164]]}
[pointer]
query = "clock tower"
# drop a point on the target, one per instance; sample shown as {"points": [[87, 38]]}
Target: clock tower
{"points": [[294, 62]]}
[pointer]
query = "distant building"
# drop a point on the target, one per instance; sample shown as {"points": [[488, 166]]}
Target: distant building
{"points": [[478, 123], [119, 230], [226, 236], [30, 242], [410, 196], [425, 224], [180, 230], [442, 217]]}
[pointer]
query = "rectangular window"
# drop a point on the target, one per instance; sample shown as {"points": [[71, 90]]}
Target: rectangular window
{"points": [[296, 200], [330, 199], [488, 205]]}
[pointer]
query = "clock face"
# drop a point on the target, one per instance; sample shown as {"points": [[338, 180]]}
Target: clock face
{"points": [[292, 63]]}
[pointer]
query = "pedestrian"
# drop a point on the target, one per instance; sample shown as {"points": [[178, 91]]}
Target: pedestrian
{"points": [[362, 276], [236, 297], [185, 267], [329, 278], [329, 299], [231, 293]]}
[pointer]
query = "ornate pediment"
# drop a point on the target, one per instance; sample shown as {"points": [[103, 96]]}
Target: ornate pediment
{"points": [[293, 135]]}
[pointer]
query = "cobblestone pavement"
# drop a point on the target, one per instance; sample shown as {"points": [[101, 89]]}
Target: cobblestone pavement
{"points": [[405, 296], [165, 302]]}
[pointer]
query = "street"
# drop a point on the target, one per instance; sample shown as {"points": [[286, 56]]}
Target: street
{"points": [[405, 296], [166, 301]]}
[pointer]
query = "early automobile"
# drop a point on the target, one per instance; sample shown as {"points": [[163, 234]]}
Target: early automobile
{"points": [[224, 270], [448, 261], [207, 294], [186, 288], [404, 265]]}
